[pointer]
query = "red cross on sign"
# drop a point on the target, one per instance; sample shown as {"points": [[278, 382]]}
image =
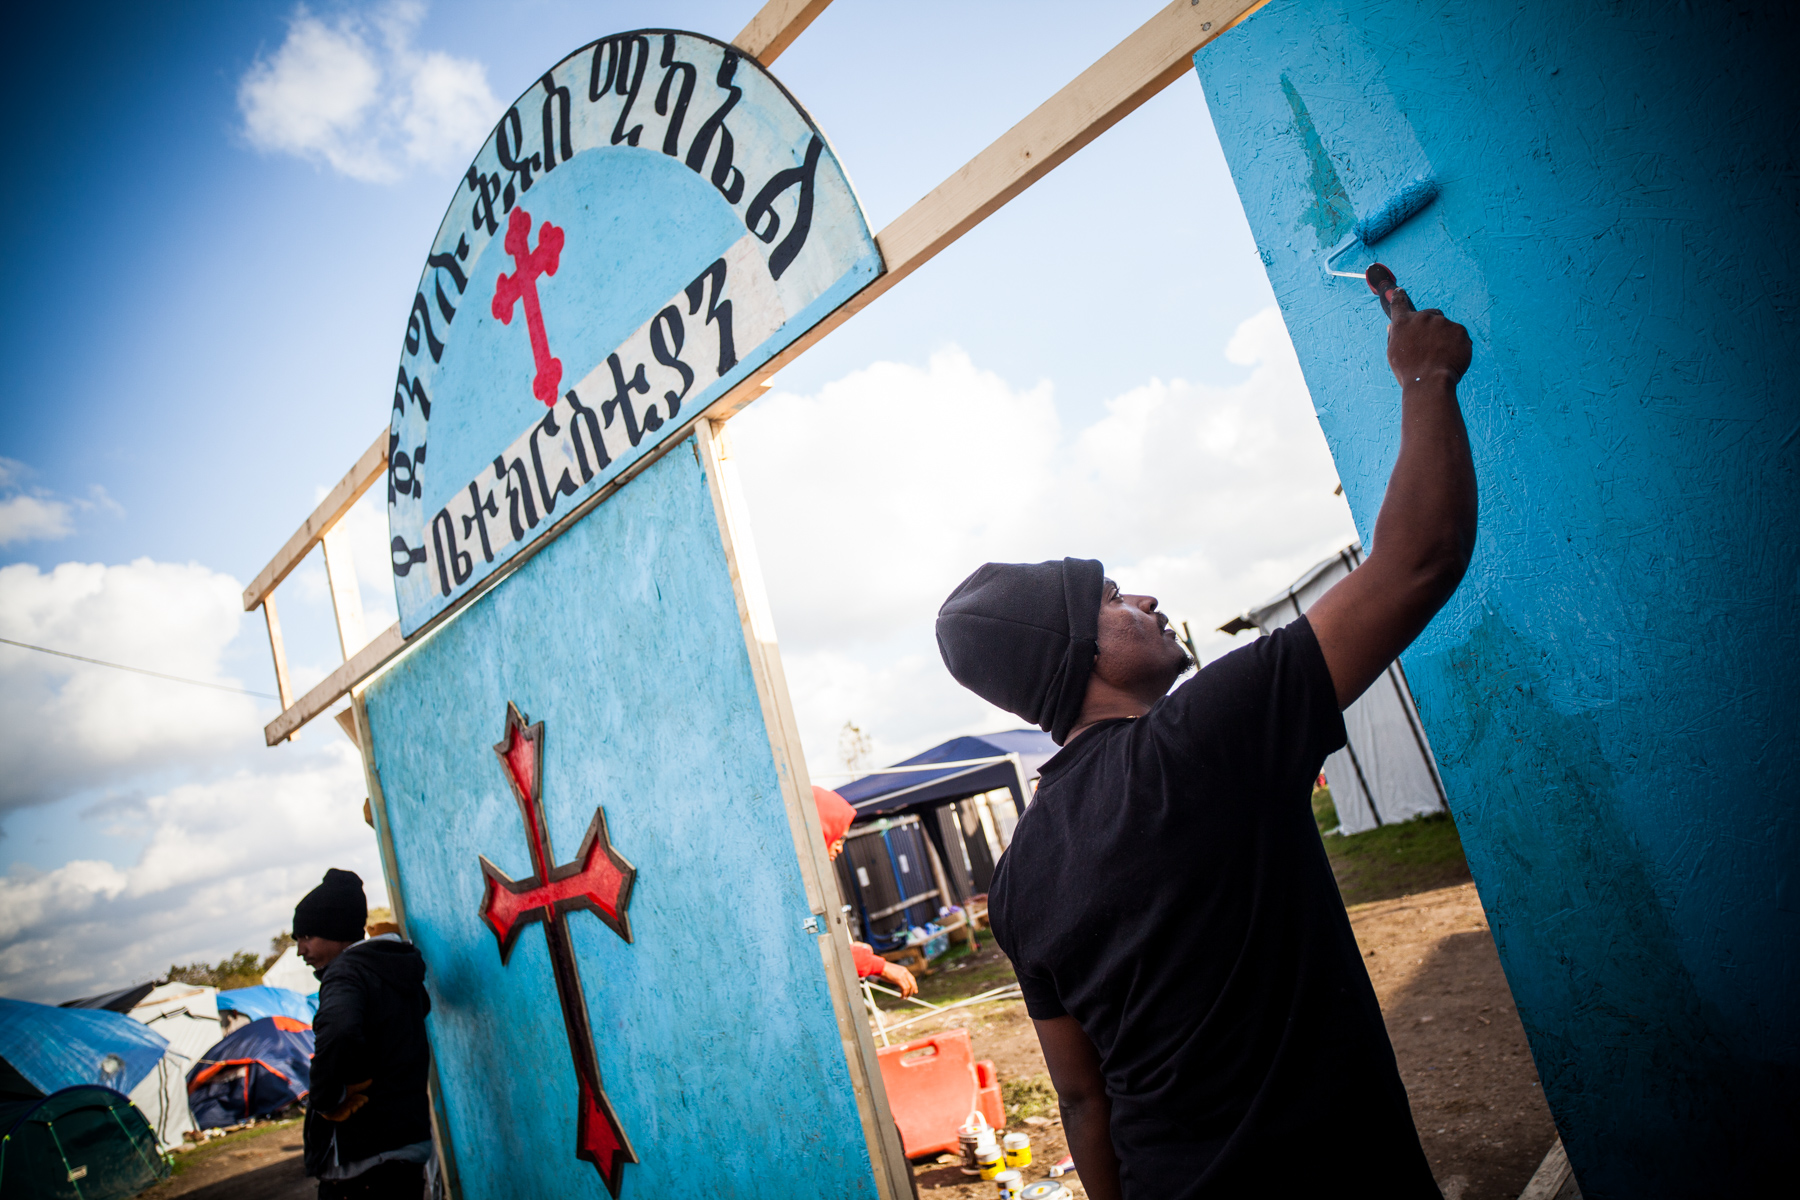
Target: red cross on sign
{"points": [[521, 288], [599, 881]]}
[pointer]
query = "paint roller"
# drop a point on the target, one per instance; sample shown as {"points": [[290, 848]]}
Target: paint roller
{"points": [[1399, 208]]}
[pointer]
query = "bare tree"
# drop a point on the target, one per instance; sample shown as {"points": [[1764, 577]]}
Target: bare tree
{"points": [[853, 748]]}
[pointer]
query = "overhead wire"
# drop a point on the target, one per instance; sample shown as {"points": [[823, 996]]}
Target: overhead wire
{"points": [[218, 687]]}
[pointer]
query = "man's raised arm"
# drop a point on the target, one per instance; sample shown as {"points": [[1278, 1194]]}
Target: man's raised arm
{"points": [[1425, 531]]}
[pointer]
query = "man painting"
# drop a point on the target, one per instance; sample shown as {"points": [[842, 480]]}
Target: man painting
{"points": [[368, 1122], [1166, 901]]}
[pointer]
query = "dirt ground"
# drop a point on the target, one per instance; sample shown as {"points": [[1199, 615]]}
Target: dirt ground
{"points": [[261, 1163], [1463, 1057]]}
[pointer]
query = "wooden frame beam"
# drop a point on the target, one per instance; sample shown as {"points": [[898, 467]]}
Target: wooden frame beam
{"points": [[278, 649], [330, 689], [330, 511], [1158, 53], [774, 28]]}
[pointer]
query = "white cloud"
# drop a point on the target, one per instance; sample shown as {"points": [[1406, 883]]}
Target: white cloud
{"points": [[33, 518], [224, 866], [229, 833], [356, 95], [37, 515], [72, 725], [873, 498]]}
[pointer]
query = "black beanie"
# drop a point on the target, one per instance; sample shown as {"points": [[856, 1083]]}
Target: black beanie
{"points": [[336, 909], [1023, 636]]}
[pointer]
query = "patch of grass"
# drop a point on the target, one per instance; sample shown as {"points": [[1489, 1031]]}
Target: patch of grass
{"points": [[1324, 811], [1032, 1096], [1397, 860], [957, 975], [180, 1163]]}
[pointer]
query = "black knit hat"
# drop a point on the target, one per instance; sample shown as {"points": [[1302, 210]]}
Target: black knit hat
{"points": [[336, 909], [1023, 636]]}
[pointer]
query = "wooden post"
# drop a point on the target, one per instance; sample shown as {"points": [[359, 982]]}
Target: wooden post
{"points": [[893, 1176], [283, 687], [346, 596]]}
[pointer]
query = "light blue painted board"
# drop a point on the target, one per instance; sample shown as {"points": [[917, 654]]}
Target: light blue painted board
{"points": [[1610, 692], [681, 216], [716, 1037]]}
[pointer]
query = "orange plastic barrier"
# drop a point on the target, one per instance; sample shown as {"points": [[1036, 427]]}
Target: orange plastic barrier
{"points": [[931, 1084]]}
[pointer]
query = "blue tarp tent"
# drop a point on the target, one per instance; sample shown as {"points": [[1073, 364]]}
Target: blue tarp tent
{"points": [[55, 1048], [983, 764], [260, 1069], [259, 1002]]}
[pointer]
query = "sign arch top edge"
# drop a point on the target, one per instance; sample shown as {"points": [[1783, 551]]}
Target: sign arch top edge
{"points": [[598, 216]]}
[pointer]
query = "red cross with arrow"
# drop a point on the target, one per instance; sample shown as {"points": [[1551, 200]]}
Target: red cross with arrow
{"points": [[521, 287], [599, 881]]}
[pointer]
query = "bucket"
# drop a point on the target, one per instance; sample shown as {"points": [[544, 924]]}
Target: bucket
{"points": [[1017, 1149], [968, 1142]]}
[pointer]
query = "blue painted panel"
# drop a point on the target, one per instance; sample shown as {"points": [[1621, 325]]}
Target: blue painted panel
{"points": [[716, 1038], [646, 226], [1610, 693]]}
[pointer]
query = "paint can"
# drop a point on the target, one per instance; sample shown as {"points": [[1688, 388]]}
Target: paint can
{"points": [[1017, 1149], [990, 1161], [968, 1142], [1009, 1183], [1046, 1189]]}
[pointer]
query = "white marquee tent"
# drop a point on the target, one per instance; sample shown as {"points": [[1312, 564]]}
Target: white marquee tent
{"points": [[188, 1016], [290, 972], [1386, 772]]}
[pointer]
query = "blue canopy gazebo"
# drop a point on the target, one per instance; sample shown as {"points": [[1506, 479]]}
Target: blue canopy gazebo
{"points": [[931, 798], [953, 770]]}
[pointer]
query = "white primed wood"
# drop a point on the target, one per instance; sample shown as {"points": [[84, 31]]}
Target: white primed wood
{"points": [[346, 595]]}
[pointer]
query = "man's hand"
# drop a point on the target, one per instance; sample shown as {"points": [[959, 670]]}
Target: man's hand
{"points": [[901, 978], [1425, 345], [353, 1100]]}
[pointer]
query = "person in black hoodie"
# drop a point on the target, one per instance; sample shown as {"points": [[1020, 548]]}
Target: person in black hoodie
{"points": [[368, 1122]]}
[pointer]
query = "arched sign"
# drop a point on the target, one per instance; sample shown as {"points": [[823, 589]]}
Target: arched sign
{"points": [[644, 228]]}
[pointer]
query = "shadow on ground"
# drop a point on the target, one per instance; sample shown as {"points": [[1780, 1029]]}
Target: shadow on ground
{"points": [[1462, 1053]]}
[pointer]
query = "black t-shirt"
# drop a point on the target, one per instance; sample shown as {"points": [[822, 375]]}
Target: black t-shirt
{"points": [[1168, 889]]}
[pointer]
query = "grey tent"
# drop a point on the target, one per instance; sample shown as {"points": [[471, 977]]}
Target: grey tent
{"points": [[1385, 773]]}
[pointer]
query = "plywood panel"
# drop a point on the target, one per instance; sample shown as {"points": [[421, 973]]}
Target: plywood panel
{"points": [[716, 1021], [1610, 692]]}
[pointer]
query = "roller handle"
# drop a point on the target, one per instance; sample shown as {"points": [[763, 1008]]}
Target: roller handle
{"points": [[1381, 281]]}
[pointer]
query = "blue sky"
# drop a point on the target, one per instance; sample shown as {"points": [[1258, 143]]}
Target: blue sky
{"points": [[204, 331]]}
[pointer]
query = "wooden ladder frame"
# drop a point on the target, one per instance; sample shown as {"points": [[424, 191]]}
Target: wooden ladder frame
{"points": [[1159, 52]]}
